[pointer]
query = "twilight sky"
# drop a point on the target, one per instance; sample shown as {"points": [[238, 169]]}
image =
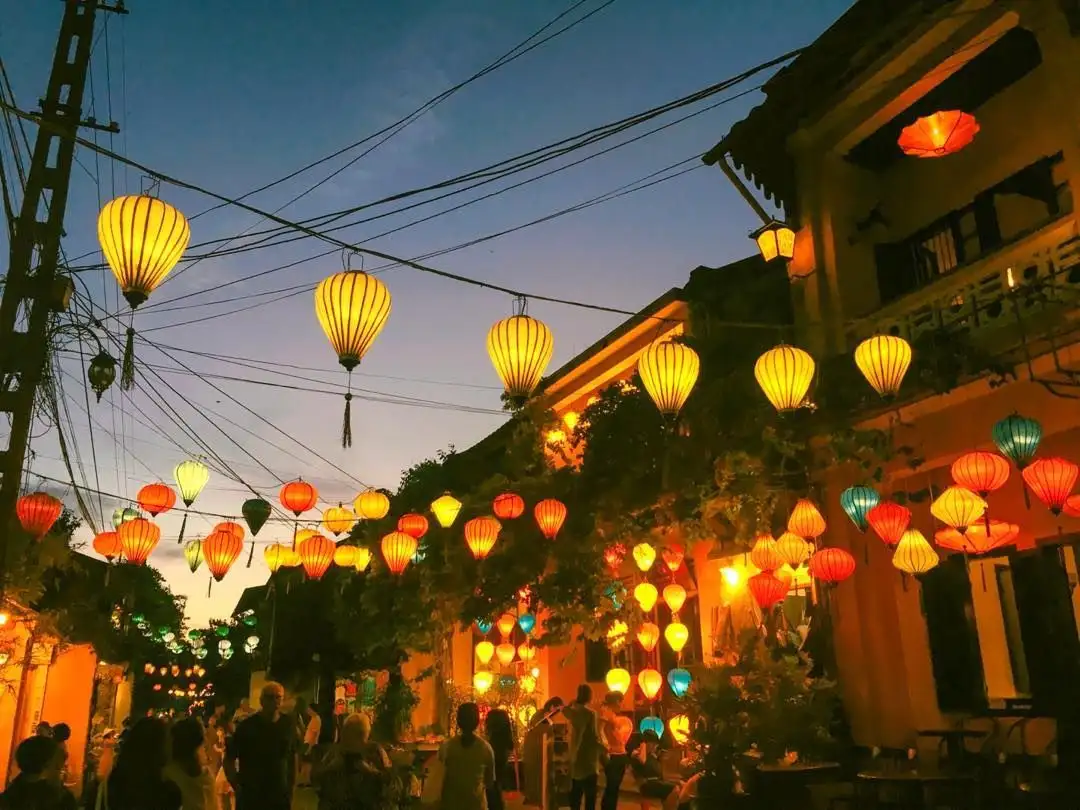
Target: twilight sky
{"points": [[231, 96]]}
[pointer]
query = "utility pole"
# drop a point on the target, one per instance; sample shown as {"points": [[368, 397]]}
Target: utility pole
{"points": [[33, 291]]}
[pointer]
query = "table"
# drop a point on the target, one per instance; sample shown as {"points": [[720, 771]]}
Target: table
{"points": [[916, 790], [789, 785], [955, 740]]}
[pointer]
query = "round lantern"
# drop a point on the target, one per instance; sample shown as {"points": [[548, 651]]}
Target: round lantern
{"points": [[123, 516], [669, 371], [653, 724], [220, 550], [792, 549], [806, 520], [673, 555], [520, 348], [648, 635], [345, 556], [645, 594], [677, 634], [889, 520], [445, 508], [979, 539], [108, 545], [651, 682], [857, 503], [679, 726], [232, 528], [679, 680], [506, 624], [617, 680], [508, 506], [138, 537], [767, 589], [371, 505], [784, 374], [981, 472], [831, 565], [482, 681], [480, 536], [363, 559], [883, 361], [142, 239], [156, 498], [274, 554], [413, 525], [398, 549], [550, 515], [316, 554], [38, 512], [674, 597], [914, 555], [298, 496], [337, 520], [101, 373], [958, 507], [938, 134], [1018, 439], [644, 556], [191, 476], [484, 652], [1052, 480], [352, 308], [505, 653], [764, 555], [193, 554]]}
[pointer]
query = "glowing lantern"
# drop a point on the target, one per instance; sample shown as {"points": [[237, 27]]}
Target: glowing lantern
{"points": [[617, 680], [1072, 506], [484, 651], [764, 555], [398, 549], [345, 556], [142, 239], [274, 554], [298, 496], [614, 556], [481, 534], [108, 545], [831, 565], [1018, 439], [674, 597], [775, 240], [1052, 480], [679, 680], [806, 521], [413, 525], [616, 635], [505, 653], [138, 537], [644, 556], [646, 595], [679, 725], [316, 554], [914, 555], [526, 712], [220, 550], [527, 623], [123, 515], [857, 503], [981, 472], [363, 559], [38, 512], [978, 539], [156, 498], [482, 681], [303, 534], [677, 634], [958, 507], [889, 520], [191, 476], [651, 682], [338, 519], [508, 506], [653, 724], [883, 361], [550, 515], [648, 635], [256, 512], [526, 653], [669, 371], [767, 589], [673, 556], [784, 374], [792, 549], [289, 558], [446, 508], [371, 505], [938, 134], [786, 574], [193, 554], [731, 576], [506, 625], [520, 348], [232, 528]]}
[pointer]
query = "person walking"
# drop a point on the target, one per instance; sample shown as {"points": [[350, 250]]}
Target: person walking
{"points": [[500, 736], [312, 733], [356, 774], [137, 780], [617, 760], [585, 750], [260, 758], [468, 763], [188, 769], [38, 785]]}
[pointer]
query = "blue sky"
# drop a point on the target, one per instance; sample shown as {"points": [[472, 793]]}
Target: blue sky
{"points": [[232, 95]]}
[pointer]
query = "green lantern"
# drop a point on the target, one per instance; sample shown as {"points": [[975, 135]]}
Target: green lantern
{"points": [[256, 512]]}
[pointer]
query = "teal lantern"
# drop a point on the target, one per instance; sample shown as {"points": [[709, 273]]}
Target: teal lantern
{"points": [[256, 512], [616, 592], [484, 626], [527, 622], [857, 503], [251, 620], [653, 724], [1018, 438], [679, 681], [222, 630]]}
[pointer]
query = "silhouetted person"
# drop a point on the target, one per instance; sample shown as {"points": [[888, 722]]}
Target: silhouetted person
{"points": [[585, 750], [500, 735], [469, 764], [188, 769], [137, 781], [260, 758], [38, 786], [615, 766]]}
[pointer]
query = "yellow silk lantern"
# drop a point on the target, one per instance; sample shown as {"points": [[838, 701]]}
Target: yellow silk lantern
{"points": [[616, 634], [674, 597], [677, 634], [775, 240], [883, 361], [648, 635], [193, 554], [651, 682], [363, 559], [290, 558], [526, 652], [646, 595], [345, 556], [958, 507], [505, 653], [528, 686], [484, 651], [506, 624], [371, 505], [914, 555], [520, 348], [142, 239], [304, 534], [644, 556], [669, 371], [352, 308], [338, 519], [679, 726], [482, 681], [764, 555], [191, 476], [793, 550], [446, 508], [617, 680], [806, 520], [784, 374]]}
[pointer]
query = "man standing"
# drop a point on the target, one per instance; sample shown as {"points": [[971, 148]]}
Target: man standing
{"points": [[585, 750], [312, 732], [260, 759], [615, 767]]}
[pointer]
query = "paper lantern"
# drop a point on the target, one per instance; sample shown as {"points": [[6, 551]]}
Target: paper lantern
{"points": [[483, 626], [806, 520], [345, 556], [38, 512], [480, 536], [506, 624], [764, 555], [617, 680], [101, 373], [616, 635], [362, 560], [303, 534], [413, 524], [679, 726], [883, 361], [889, 520], [232, 528], [371, 505], [220, 550], [123, 516], [981, 472], [679, 680], [193, 554], [526, 652], [274, 554], [352, 308], [674, 597], [550, 515], [482, 681], [316, 554], [527, 623], [298, 496], [767, 589], [673, 555], [646, 595], [398, 549], [191, 476], [508, 506], [142, 239], [484, 652], [256, 512], [784, 374], [978, 539], [831, 565], [445, 508], [648, 635], [505, 653], [1018, 439], [644, 556], [938, 134], [857, 503], [958, 507], [651, 682], [614, 556], [914, 555], [668, 371], [775, 240], [653, 724], [138, 537], [156, 498], [108, 545], [520, 348], [1052, 480], [338, 520], [792, 549], [289, 558], [676, 634], [1072, 506]]}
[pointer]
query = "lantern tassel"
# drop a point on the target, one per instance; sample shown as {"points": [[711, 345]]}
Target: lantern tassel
{"points": [[127, 375], [183, 525], [346, 425], [251, 554], [209, 587]]}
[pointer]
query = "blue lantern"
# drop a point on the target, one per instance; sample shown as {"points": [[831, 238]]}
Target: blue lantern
{"points": [[1018, 438], [615, 592], [679, 681], [526, 621], [857, 502], [484, 626], [653, 724]]}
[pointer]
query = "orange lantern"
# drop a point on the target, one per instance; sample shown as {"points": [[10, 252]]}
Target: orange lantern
{"points": [[651, 682], [398, 549], [298, 496], [508, 506], [38, 512], [481, 534], [316, 554], [978, 539], [526, 652], [958, 507], [235, 529], [371, 505], [550, 515], [939, 134], [889, 520], [764, 555], [614, 556], [645, 594], [792, 549], [1072, 506], [338, 519], [413, 525], [346, 556], [806, 520], [831, 565], [1052, 480], [677, 634], [506, 624], [156, 498], [981, 472], [616, 634], [108, 545], [505, 653], [648, 635], [767, 589], [674, 597], [484, 652], [138, 538], [673, 556], [220, 550]]}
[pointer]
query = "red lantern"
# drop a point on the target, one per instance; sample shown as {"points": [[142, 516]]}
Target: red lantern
{"points": [[220, 550], [481, 534], [108, 545], [614, 556], [138, 538], [673, 556], [831, 565], [806, 521], [316, 554], [550, 515], [398, 549], [1072, 506], [508, 506], [889, 520], [298, 496], [414, 525], [38, 512], [981, 472], [767, 590], [234, 529], [1052, 480], [978, 539], [156, 498], [940, 134]]}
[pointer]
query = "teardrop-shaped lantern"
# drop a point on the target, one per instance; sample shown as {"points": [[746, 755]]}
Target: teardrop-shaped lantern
{"points": [[679, 680], [617, 680], [108, 545], [142, 239], [673, 554], [233, 528], [857, 503], [527, 623], [883, 361], [644, 556], [352, 308], [939, 134], [914, 555], [831, 565], [256, 512], [138, 537], [156, 498], [298, 496], [413, 524], [979, 539], [505, 652], [792, 549], [764, 555], [38, 513], [371, 505], [191, 476], [398, 549], [101, 373], [1018, 438], [274, 554], [646, 594], [784, 374], [193, 554], [508, 506], [338, 519], [550, 515], [220, 550], [676, 635], [958, 507], [889, 520], [481, 534], [316, 554], [445, 508], [1052, 480], [669, 371], [679, 726], [520, 348], [651, 682], [653, 724], [362, 560], [806, 520], [485, 651], [674, 597], [767, 589], [648, 636]]}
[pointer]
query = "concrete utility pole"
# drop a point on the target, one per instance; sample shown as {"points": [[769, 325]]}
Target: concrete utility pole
{"points": [[36, 290]]}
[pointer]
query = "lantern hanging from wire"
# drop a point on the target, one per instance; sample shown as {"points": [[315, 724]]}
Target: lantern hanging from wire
{"points": [[220, 550], [617, 680], [338, 519], [764, 555], [256, 512], [674, 597], [123, 516], [191, 478], [138, 537], [648, 636], [298, 496], [784, 374], [644, 556], [831, 565], [857, 503], [233, 528], [108, 545], [398, 549], [520, 348], [316, 554], [767, 589], [193, 554], [806, 520], [352, 308], [550, 515], [38, 513], [1072, 506], [505, 653], [958, 507], [679, 680], [616, 635], [979, 539], [413, 524], [645, 594], [939, 134], [480, 535], [883, 361], [981, 472], [508, 506], [1018, 438], [672, 555], [614, 556], [363, 559], [101, 373], [506, 624], [156, 498], [485, 651], [651, 682], [792, 549], [527, 623], [345, 556], [669, 371], [274, 555], [1052, 480], [482, 681], [676, 634], [914, 555], [526, 652], [445, 508], [889, 520], [371, 505]]}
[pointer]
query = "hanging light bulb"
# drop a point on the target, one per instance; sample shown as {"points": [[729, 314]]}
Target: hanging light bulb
{"points": [[520, 348], [445, 508], [669, 371], [784, 374], [883, 361]]}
